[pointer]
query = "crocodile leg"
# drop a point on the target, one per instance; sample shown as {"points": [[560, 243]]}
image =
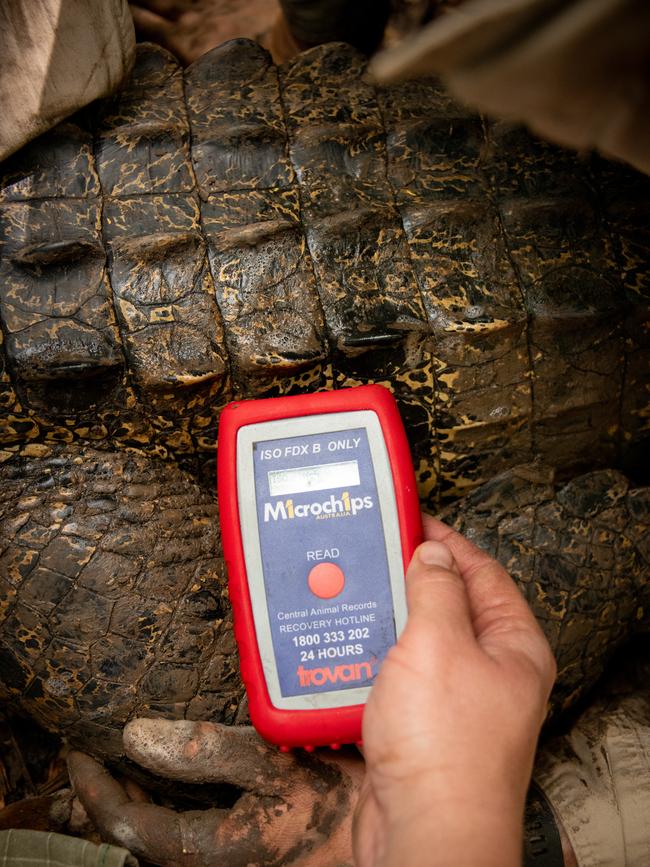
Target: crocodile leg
{"points": [[114, 598], [114, 590]]}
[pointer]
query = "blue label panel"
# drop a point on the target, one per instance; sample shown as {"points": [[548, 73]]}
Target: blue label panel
{"points": [[324, 560]]}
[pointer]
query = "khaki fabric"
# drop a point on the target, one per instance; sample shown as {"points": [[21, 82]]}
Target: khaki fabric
{"points": [[597, 779], [55, 57], [45, 849], [576, 71]]}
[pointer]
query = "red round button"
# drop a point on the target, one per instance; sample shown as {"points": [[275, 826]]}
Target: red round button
{"points": [[326, 580]]}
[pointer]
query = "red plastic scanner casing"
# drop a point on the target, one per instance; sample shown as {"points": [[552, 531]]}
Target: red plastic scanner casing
{"points": [[319, 727]]}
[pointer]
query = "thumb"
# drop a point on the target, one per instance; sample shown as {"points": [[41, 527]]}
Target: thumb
{"points": [[436, 594]]}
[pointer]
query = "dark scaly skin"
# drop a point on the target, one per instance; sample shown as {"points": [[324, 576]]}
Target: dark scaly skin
{"points": [[239, 229], [581, 557], [243, 230], [114, 598], [115, 601]]}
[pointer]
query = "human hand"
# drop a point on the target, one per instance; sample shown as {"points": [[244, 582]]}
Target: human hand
{"points": [[190, 28], [294, 808], [449, 732], [451, 724]]}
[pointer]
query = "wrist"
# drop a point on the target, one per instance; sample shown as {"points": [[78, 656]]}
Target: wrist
{"points": [[469, 833], [455, 819], [487, 788]]}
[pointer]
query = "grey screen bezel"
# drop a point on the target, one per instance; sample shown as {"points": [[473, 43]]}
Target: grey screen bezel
{"points": [[247, 501]]}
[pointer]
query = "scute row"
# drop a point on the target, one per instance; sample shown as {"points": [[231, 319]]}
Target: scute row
{"points": [[241, 229]]}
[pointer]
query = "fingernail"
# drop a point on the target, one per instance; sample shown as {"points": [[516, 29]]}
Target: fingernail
{"points": [[436, 554]]}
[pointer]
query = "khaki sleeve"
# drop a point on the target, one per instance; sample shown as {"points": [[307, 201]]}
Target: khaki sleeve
{"points": [[597, 780], [22, 848], [575, 71], [55, 57]]}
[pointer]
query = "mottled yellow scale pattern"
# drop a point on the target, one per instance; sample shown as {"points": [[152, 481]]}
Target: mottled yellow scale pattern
{"points": [[510, 252], [238, 132], [319, 377], [355, 236], [69, 171], [482, 402], [408, 371], [143, 137], [257, 249], [241, 230]]}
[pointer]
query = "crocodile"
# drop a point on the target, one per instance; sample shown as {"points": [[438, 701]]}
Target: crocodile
{"points": [[242, 230], [239, 229]]}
